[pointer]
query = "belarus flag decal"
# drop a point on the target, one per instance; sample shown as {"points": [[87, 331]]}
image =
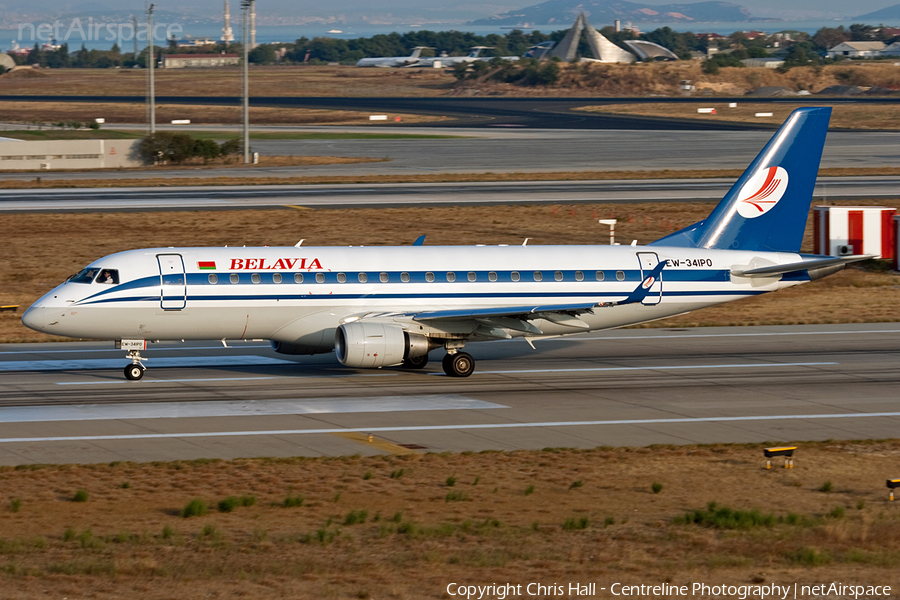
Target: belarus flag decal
{"points": [[207, 265]]}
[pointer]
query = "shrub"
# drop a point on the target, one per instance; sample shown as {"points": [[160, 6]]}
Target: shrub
{"points": [[398, 473], [398, 516], [455, 497], [248, 500], [575, 523], [229, 504], [576, 484], [826, 487], [356, 516], [529, 490], [836, 513], [292, 502], [14, 505], [609, 521], [368, 475], [194, 508], [656, 487], [69, 534], [125, 485], [211, 532], [80, 496], [231, 147], [167, 532], [722, 517], [451, 481], [205, 149], [809, 557]]}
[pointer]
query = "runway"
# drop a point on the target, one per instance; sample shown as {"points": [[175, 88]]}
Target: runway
{"points": [[399, 195], [64, 403]]}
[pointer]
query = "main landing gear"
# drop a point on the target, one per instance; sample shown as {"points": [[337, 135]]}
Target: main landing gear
{"points": [[135, 370], [458, 364]]}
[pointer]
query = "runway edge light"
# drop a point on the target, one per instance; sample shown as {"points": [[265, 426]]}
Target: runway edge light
{"points": [[786, 451], [892, 484]]}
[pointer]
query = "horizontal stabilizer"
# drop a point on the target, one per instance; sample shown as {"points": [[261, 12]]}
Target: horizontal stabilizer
{"points": [[818, 263]]}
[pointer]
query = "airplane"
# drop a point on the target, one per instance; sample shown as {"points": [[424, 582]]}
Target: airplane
{"points": [[390, 306], [539, 51], [393, 61], [452, 61]]}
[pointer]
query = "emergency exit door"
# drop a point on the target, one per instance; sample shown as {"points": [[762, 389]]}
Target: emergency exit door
{"points": [[173, 286], [649, 261]]}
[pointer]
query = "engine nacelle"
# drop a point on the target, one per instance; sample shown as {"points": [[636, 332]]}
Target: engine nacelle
{"points": [[369, 344]]}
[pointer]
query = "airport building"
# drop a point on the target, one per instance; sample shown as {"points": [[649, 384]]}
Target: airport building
{"points": [[857, 50], [17, 155], [605, 51], [183, 61]]}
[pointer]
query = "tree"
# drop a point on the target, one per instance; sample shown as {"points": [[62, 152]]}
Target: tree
{"points": [[205, 149], [829, 37], [263, 54]]}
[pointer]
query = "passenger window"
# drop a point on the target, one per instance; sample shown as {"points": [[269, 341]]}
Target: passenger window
{"points": [[451, 276], [276, 277], [514, 275], [234, 278], [600, 276], [84, 276], [255, 278], [320, 277], [363, 278], [383, 277], [558, 276], [108, 276], [213, 278], [429, 277], [472, 276], [538, 276], [404, 277], [579, 276], [341, 278], [492, 276], [620, 275], [298, 277]]}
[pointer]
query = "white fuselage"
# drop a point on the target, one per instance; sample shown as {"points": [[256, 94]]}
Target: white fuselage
{"points": [[300, 295]]}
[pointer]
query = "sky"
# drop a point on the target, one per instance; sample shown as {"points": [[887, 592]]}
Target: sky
{"points": [[462, 8]]}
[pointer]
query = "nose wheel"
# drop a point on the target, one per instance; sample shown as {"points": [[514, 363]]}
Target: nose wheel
{"points": [[134, 372], [458, 364]]}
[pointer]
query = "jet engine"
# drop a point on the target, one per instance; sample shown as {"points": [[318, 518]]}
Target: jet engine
{"points": [[368, 344]]}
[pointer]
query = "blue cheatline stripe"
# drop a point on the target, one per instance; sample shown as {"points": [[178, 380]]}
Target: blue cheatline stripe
{"points": [[319, 296], [330, 277], [651, 368], [462, 427]]}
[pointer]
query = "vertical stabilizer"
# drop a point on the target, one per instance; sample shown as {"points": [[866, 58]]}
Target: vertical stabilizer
{"points": [[766, 209]]}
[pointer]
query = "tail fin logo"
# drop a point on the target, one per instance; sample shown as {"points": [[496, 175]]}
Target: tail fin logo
{"points": [[762, 192]]}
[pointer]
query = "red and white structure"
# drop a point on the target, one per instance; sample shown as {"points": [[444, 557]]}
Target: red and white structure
{"points": [[846, 230], [897, 243]]}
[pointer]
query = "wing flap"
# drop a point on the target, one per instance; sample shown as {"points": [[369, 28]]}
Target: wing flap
{"points": [[504, 311]]}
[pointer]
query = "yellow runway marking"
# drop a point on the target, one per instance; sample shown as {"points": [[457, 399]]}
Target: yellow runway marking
{"points": [[297, 207], [380, 444]]}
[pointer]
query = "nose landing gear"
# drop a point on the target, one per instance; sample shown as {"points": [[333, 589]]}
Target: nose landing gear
{"points": [[134, 371]]}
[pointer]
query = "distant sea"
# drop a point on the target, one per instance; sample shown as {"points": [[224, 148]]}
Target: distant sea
{"points": [[289, 33]]}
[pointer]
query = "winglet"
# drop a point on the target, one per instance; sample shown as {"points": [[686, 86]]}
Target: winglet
{"points": [[643, 288]]}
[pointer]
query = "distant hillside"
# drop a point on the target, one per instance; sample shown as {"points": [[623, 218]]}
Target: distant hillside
{"points": [[891, 13], [604, 12]]}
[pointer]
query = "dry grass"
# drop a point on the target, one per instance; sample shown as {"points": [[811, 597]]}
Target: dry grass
{"points": [[850, 116], [264, 81], [377, 537], [113, 112], [276, 179], [57, 245], [664, 79]]}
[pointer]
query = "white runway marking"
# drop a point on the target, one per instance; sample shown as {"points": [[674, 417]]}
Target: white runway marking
{"points": [[203, 434], [241, 360], [659, 368], [146, 381], [706, 335], [172, 410]]}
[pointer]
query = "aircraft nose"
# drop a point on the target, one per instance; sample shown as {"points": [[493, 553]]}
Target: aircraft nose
{"points": [[35, 317]]}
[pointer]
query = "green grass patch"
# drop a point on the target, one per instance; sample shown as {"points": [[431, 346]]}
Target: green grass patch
{"points": [[80, 496], [72, 134], [573, 523], [292, 502], [827, 487], [722, 517], [809, 557], [14, 505], [529, 490], [456, 496], [194, 508], [656, 487], [355, 517]]}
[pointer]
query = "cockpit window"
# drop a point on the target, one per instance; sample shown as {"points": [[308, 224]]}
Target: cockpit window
{"points": [[85, 275], [109, 276]]}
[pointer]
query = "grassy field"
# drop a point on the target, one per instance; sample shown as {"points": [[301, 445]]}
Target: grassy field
{"points": [[405, 527], [57, 245], [112, 134], [115, 112], [850, 116]]}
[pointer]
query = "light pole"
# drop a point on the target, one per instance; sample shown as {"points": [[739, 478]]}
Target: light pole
{"points": [[151, 58], [247, 7]]}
